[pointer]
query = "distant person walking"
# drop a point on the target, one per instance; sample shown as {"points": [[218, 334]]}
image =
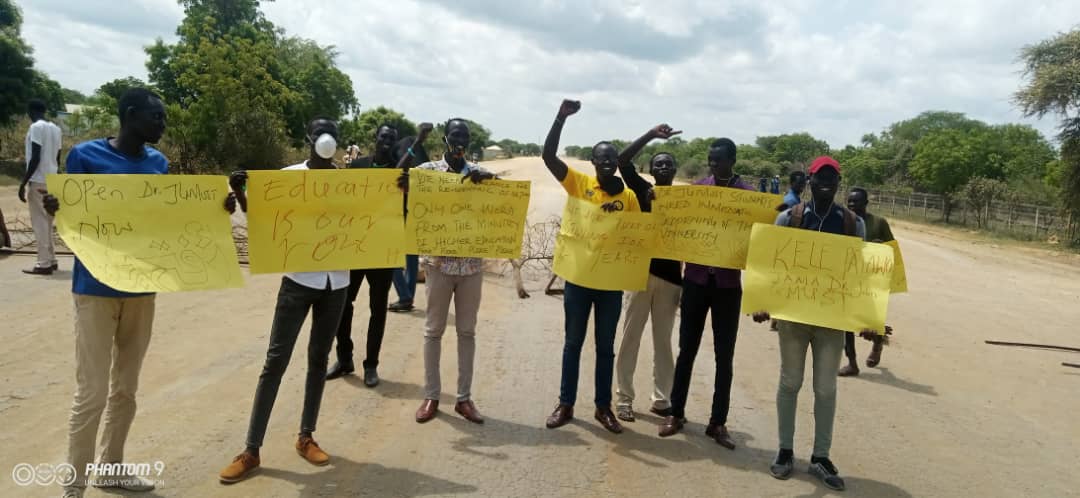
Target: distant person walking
{"points": [[877, 230], [42, 159]]}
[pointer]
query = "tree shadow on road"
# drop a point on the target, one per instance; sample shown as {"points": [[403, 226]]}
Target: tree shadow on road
{"points": [[887, 378], [344, 477], [495, 433]]}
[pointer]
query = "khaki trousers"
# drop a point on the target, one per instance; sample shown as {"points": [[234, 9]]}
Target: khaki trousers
{"points": [[111, 337], [660, 299]]}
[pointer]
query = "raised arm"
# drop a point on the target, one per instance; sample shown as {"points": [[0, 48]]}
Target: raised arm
{"points": [[551, 145], [406, 159], [626, 158]]}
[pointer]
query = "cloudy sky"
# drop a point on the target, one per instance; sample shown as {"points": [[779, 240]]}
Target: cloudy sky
{"points": [[837, 69]]}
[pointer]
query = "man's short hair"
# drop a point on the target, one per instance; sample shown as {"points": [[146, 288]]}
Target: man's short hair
{"points": [[392, 126], [862, 191], [36, 105], [796, 177], [725, 144], [661, 153], [137, 97]]}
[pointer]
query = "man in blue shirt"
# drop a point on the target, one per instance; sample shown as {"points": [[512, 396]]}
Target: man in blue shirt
{"points": [[108, 320], [797, 183]]}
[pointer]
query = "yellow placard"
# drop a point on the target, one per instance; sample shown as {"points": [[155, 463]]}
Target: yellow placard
{"points": [[322, 220], [816, 278], [149, 233], [708, 225], [604, 251], [451, 218], [899, 276]]}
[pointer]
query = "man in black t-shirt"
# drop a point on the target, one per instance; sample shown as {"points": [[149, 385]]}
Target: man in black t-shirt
{"points": [[379, 281]]}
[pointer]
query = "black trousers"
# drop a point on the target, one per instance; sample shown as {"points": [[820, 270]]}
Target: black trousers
{"points": [[849, 345], [697, 302], [293, 302], [379, 282]]}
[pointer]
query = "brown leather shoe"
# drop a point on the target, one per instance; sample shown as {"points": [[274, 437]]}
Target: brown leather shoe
{"points": [[671, 426], [562, 415], [608, 420], [309, 449], [241, 468], [849, 370], [37, 270], [468, 410], [427, 411], [720, 434]]}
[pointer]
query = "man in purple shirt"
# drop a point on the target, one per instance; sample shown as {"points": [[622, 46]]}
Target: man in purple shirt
{"points": [[708, 288]]}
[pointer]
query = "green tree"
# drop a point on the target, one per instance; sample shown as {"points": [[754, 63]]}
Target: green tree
{"points": [[1052, 71], [321, 88], [946, 160], [245, 88], [48, 90], [74, 97], [17, 75], [360, 130]]}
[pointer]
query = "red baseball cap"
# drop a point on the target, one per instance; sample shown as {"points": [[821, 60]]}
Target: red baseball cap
{"points": [[824, 162]]}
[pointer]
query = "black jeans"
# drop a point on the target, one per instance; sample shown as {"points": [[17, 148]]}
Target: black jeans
{"points": [[294, 301], [379, 282], [697, 301]]}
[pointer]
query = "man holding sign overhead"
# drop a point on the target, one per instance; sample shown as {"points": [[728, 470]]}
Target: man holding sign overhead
{"points": [[608, 192], [449, 278], [719, 291], [821, 214]]}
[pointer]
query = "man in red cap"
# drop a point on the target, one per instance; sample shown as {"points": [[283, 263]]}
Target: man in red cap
{"points": [[822, 214]]}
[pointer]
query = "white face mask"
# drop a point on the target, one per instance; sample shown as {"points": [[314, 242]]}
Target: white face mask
{"points": [[325, 146]]}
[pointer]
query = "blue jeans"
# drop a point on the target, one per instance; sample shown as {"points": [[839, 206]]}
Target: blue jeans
{"points": [[577, 303], [405, 279]]}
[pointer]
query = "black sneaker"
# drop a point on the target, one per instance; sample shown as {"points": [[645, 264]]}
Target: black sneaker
{"points": [[783, 465], [401, 307], [824, 469]]}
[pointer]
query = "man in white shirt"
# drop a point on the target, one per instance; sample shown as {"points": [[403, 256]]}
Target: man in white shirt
{"points": [[324, 293], [42, 158]]}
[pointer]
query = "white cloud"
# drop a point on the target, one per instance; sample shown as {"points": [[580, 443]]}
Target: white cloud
{"points": [[741, 69]]}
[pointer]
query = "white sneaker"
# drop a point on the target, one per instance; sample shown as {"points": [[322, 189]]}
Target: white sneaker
{"points": [[126, 483]]}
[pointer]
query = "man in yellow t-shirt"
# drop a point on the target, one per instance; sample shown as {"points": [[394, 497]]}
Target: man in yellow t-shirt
{"points": [[608, 191]]}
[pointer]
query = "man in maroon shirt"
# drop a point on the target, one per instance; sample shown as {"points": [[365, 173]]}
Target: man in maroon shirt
{"points": [[707, 288]]}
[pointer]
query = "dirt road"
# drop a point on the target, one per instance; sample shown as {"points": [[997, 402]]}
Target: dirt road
{"points": [[945, 415]]}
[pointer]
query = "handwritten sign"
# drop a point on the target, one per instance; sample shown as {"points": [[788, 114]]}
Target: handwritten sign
{"points": [[817, 278], [149, 233], [322, 220], [604, 251], [451, 218], [709, 225], [899, 276]]}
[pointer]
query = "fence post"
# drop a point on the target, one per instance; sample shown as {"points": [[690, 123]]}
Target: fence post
{"points": [[924, 214], [909, 204], [1036, 222], [893, 203]]}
